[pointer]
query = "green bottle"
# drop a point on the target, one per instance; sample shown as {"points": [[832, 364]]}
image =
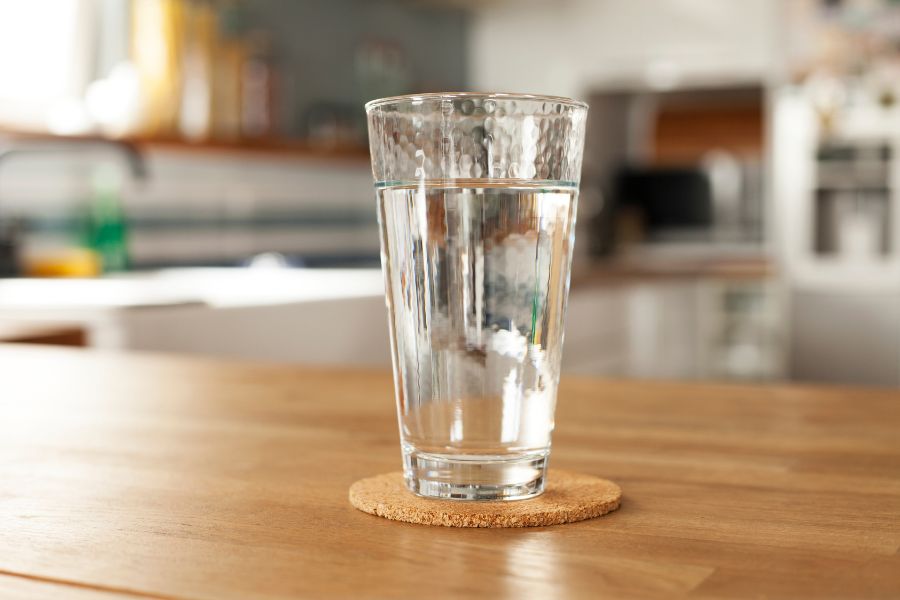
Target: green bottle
{"points": [[106, 229]]}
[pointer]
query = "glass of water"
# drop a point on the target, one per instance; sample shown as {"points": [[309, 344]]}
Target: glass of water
{"points": [[476, 205]]}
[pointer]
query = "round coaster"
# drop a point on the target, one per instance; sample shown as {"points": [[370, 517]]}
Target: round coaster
{"points": [[568, 497]]}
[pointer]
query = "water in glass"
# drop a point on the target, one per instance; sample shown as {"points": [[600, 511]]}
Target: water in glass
{"points": [[477, 276]]}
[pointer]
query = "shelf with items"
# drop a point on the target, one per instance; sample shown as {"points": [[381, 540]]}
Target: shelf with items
{"points": [[286, 148], [853, 224], [852, 199], [836, 188]]}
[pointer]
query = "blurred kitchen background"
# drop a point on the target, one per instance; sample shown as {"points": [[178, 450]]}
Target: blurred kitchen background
{"points": [[193, 176]]}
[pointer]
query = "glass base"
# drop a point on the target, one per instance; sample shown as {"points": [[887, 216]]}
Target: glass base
{"points": [[452, 477]]}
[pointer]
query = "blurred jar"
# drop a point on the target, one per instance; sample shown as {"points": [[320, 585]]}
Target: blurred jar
{"points": [[157, 37], [201, 33], [258, 87], [227, 74]]}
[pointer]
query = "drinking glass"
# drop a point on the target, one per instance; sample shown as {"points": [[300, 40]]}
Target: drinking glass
{"points": [[476, 202]]}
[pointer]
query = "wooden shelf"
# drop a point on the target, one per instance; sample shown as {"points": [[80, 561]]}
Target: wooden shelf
{"points": [[274, 147], [283, 148]]}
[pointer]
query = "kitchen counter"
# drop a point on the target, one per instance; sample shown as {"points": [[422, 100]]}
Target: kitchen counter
{"points": [[212, 287], [147, 476], [318, 316], [648, 270], [622, 315]]}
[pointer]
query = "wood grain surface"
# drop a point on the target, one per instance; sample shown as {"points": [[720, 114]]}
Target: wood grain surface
{"points": [[156, 477]]}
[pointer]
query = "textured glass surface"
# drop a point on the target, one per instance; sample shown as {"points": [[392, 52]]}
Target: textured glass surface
{"points": [[477, 273], [462, 136]]}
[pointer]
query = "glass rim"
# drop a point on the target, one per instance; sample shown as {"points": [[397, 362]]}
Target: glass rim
{"points": [[506, 96]]}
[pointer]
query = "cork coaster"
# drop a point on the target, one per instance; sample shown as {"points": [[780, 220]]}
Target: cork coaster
{"points": [[568, 497]]}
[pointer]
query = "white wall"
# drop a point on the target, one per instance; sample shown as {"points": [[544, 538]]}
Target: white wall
{"points": [[570, 47]]}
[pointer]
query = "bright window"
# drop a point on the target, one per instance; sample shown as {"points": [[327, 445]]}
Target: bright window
{"points": [[42, 60]]}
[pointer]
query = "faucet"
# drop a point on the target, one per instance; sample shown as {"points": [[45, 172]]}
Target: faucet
{"points": [[40, 144]]}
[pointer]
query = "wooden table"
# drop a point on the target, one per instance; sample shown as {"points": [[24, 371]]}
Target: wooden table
{"points": [[155, 477]]}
